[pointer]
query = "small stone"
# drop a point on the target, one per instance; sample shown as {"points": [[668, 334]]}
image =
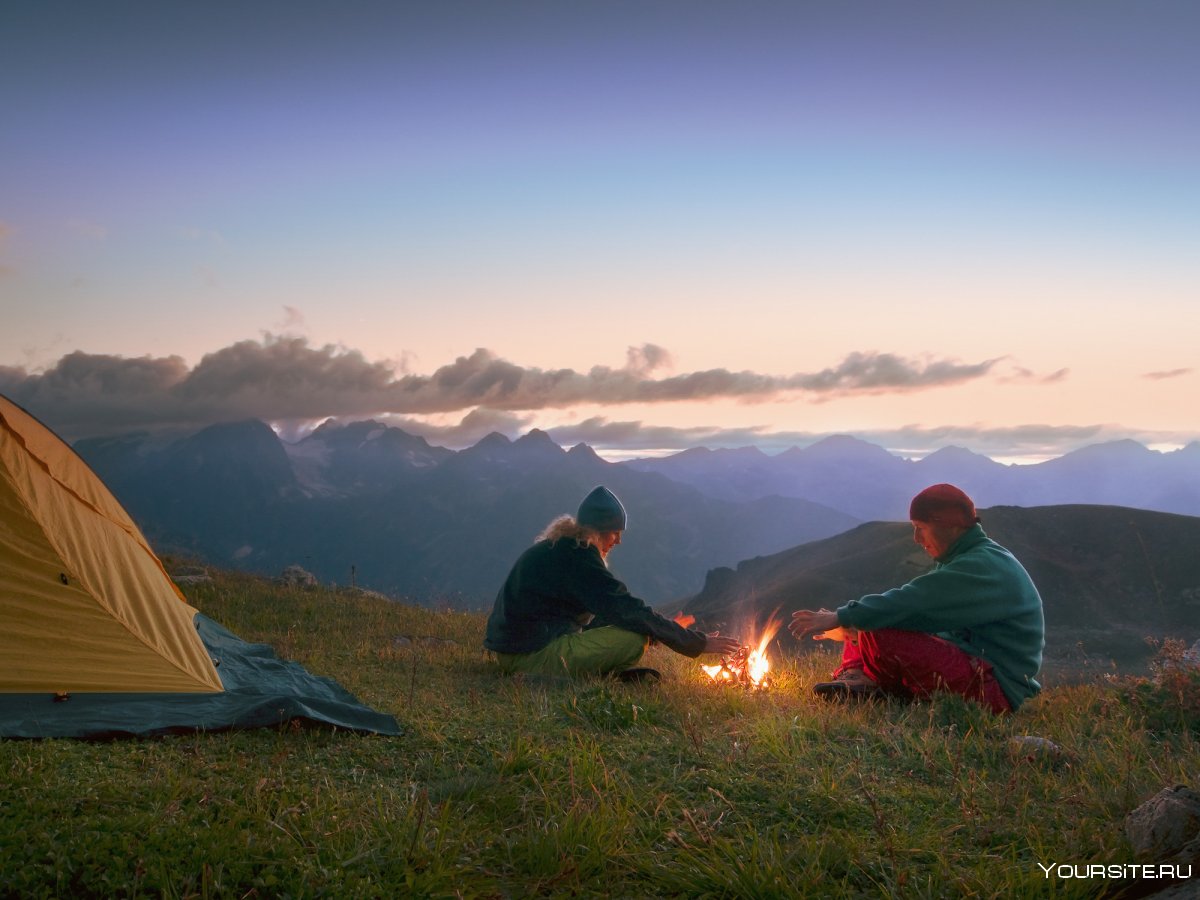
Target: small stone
{"points": [[1031, 747], [296, 576]]}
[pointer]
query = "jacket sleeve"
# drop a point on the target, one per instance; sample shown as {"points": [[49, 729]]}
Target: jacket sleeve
{"points": [[965, 593], [604, 595]]}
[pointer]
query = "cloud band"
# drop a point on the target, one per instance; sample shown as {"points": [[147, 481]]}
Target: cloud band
{"points": [[284, 378]]}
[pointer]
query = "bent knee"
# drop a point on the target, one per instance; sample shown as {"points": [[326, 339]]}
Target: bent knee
{"points": [[627, 647]]}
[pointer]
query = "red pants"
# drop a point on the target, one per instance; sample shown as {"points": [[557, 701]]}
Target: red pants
{"points": [[914, 664]]}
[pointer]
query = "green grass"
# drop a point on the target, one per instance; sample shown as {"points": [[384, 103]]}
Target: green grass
{"points": [[503, 787]]}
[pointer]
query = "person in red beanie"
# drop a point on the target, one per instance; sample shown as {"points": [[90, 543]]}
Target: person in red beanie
{"points": [[972, 626]]}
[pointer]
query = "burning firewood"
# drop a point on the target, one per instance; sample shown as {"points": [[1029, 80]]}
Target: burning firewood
{"points": [[749, 666]]}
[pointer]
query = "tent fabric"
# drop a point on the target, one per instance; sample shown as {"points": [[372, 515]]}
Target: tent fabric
{"points": [[84, 602], [96, 639], [261, 691]]}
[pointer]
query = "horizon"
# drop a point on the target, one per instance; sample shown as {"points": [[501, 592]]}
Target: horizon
{"points": [[644, 227], [293, 439]]}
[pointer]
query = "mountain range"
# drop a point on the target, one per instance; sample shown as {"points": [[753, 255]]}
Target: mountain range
{"points": [[372, 505], [869, 483]]}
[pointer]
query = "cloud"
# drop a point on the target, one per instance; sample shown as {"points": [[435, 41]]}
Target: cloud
{"points": [[293, 320], [84, 393], [646, 359], [284, 378], [486, 380], [887, 373], [1170, 373], [1020, 373]]}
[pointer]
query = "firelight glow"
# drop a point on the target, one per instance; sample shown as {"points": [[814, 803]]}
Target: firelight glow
{"points": [[643, 226], [750, 667]]}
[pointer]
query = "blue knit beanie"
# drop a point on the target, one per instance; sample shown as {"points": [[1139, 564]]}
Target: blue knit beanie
{"points": [[602, 511]]}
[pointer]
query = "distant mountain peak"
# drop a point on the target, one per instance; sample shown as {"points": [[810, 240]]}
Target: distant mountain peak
{"points": [[844, 441], [330, 424], [243, 429], [536, 438], [495, 440], [537, 445], [841, 447], [582, 451], [958, 456], [1111, 451], [952, 451]]}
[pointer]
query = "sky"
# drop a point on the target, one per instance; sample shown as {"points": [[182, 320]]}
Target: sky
{"points": [[639, 225]]}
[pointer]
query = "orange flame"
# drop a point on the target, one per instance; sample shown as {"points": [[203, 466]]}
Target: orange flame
{"points": [[685, 620], [750, 665], [757, 664]]}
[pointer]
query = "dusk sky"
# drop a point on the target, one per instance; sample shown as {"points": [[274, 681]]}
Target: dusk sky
{"points": [[641, 225]]}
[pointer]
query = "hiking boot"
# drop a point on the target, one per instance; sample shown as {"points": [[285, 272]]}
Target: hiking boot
{"points": [[639, 674], [851, 684]]}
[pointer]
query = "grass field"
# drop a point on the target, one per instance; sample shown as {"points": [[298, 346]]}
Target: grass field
{"points": [[506, 787]]}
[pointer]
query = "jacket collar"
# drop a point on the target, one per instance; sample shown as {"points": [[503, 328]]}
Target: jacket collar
{"points": [[968, 539]]}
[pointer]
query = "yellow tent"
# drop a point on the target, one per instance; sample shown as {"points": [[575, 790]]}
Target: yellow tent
{"points": [[85, 603], [89, 618]]}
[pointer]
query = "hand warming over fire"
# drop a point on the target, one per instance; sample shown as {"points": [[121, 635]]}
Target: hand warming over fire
{"points": [[714, 643], [822, 624]]}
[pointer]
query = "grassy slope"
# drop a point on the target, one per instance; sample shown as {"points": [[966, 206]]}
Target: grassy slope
{"points": [[503, 788]]}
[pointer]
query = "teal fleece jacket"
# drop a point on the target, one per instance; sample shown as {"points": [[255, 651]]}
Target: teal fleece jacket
{"points": [[978, 597], [556, 588]]}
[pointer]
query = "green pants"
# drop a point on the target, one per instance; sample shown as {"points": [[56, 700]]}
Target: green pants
{"points": [[596, 651]]}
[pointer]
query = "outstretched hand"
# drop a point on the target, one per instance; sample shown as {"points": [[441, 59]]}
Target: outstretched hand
{"points": [[822, 624], [725, 646]]}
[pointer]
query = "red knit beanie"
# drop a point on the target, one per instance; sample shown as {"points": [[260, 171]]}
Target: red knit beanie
{"points": [[944, 504]]}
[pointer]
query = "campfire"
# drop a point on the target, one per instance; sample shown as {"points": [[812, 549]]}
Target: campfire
{"points": [[749, 666]]}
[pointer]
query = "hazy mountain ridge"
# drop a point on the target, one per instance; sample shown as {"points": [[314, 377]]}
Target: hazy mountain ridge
{"points": [[394, 513], [362, 456], [1109, 577], [869, 483], [419, 521]]}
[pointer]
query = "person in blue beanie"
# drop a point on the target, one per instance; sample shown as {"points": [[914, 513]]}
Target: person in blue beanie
{"points": [[562, 584]]}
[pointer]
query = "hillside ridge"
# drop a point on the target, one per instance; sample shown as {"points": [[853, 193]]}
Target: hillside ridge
{"points": [[1110, 577]]}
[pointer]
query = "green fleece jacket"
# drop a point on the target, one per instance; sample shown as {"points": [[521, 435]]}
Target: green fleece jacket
{"points": [[556, 588], [978, 597]]}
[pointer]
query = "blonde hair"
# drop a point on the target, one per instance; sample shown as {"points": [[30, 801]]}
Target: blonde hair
{"points": [[566, 527]]}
